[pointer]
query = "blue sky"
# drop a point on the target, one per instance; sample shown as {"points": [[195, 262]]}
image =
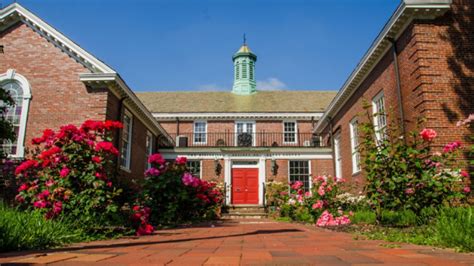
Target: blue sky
{"points": [[168, 45]]}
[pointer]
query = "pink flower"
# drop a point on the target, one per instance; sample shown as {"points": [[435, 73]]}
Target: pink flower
{"points": [[307, 194], [57, 207], [96, 159], [49, 183], [409, 191], [428, 134], [297, 185], [450, 147], [23, 186], [318, 205], [327, 219], [464, 174], [156, 158], [189, 180], [321, 191], [40, 204], [283, 193], [19, 198], [64, 172], [109, 184], [181, 160], [466, 189], [152, 172]]}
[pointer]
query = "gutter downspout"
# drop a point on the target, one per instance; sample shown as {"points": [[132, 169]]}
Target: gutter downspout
{"points": [[399, 87], [117, 140]]}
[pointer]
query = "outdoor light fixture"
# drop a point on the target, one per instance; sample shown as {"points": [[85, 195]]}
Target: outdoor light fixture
{"points": [[217, 167], [274, 167]]}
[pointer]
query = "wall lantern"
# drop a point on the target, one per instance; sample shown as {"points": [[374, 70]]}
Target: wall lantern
{"points": [[217, 167], [274, 167]]}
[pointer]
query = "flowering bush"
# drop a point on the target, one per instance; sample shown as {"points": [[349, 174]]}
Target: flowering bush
{"points": [[68, 172], [175, 195], [320, 205], [140, 216], [405, 174]]}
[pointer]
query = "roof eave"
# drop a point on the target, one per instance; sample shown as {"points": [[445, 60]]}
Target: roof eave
{"points": [[404, 14]]}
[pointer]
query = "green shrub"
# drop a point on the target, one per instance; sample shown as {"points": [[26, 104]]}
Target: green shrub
{"points": [[303, 214], [455, 228], [364, 217], [399, 218], [29, 230]]}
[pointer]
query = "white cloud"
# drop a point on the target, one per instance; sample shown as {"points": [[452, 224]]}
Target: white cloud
{"points": [[271, 84], [210, 87]]}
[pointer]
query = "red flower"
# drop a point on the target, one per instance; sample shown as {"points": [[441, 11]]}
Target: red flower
{"points": [[450, 147], [181, 160], [112, 124], [40, 204], [48, 153], [64, 172], [96, 159], [19, 198], [156, 158], [464, 174], [57, 207], [428, 134], [107, 147], [145, 229], [23, 167], [23, 186]]}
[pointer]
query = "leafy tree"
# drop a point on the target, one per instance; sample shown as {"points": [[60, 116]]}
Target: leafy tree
{"points": [[6, 128]]}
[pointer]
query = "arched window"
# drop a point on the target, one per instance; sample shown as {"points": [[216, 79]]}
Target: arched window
{"points": [[19, 90]]}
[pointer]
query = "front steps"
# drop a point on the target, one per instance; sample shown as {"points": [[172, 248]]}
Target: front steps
{"points": [[244, 212]]}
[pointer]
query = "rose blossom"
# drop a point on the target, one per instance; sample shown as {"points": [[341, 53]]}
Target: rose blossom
{"points": [[318, 205], [321, 191], [181, 160], [64, 172], [464, 173], [428, 134], [156, 158], [152, 172], [409, 191], [96, 159], [466, 189], [40, 204], [23, 186]]}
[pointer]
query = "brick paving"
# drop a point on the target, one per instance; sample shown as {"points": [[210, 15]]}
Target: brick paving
{"points": [[261, 242]]}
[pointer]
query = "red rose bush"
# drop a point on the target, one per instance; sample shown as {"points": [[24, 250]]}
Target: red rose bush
{"points": [[67, 172]]}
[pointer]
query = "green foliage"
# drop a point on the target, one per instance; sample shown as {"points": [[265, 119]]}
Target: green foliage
{"points": [[455, 228], [400, 218], [20, 230], [303, 214], [402, 173], [364, 217]]}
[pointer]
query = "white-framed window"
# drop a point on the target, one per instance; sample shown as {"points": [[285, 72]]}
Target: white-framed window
{"points": [[126, 139], [337, 155], [380, 117], [245, 133], [19, 89], [194, 167], [353, 125], [149, 147], [300, 170], [200, 132], [290, 132]]}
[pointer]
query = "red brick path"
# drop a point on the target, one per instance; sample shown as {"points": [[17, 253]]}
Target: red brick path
{"points": [[246, 243]]}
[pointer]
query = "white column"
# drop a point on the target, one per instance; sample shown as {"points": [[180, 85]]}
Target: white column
{"points": [[261, 178], [228, 179]]}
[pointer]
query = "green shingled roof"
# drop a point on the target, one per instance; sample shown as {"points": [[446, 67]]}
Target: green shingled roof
{"points": [[227, 102]]}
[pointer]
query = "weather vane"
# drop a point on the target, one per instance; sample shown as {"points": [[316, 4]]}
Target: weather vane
{"points": [[245, 40]]}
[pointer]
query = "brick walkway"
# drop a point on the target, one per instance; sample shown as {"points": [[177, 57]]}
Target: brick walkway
{"points": [[246, 243]]}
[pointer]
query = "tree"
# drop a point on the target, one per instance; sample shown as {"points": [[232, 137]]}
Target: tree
{"points": [[6, 127]]}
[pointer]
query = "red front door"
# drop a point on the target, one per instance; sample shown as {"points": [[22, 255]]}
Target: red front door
{"points": [[245, 186]]}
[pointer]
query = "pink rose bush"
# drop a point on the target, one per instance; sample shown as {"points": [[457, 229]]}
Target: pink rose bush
{"points": [[319, 205], [140, 220], [68, 171], [175, 195]]}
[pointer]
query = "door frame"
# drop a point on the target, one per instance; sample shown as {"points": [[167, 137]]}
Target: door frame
{"points": [[229, 164]]}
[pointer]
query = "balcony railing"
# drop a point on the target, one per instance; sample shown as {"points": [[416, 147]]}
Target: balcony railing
{"points": [[257, 139]]}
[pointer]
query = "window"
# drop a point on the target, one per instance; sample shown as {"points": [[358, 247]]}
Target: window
{"points": [[245, 133], [299, 171], [126, 147], [337, 155], [194, 167], [149, 148], [380, 118], [200, 132], [289, 132], [19, 90], [355, 146], [237, 70]]}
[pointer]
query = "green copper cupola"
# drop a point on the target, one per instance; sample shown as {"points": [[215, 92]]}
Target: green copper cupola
{"points": [[244, 71]]}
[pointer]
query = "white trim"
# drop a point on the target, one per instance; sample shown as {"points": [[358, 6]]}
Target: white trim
{"points": [[296, 131], [212, 156], [396, 25], [228, 115], [200, 166], [337, 155], [6, 77], [256, 165], [150, 149], [205, 132], [128, 158], [354, 150]]}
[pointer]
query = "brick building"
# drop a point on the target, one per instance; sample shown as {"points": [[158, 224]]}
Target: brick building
{"points": [[420, 65], [245, 137], [55, 82]]}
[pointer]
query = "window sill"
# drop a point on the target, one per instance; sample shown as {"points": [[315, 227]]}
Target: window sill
{"points": [[125, 169], [356, 173]]}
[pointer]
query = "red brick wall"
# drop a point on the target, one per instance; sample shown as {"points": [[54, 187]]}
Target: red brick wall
{"points": [[58, 97], [436, 80], [318, 167], [208, 170]]}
